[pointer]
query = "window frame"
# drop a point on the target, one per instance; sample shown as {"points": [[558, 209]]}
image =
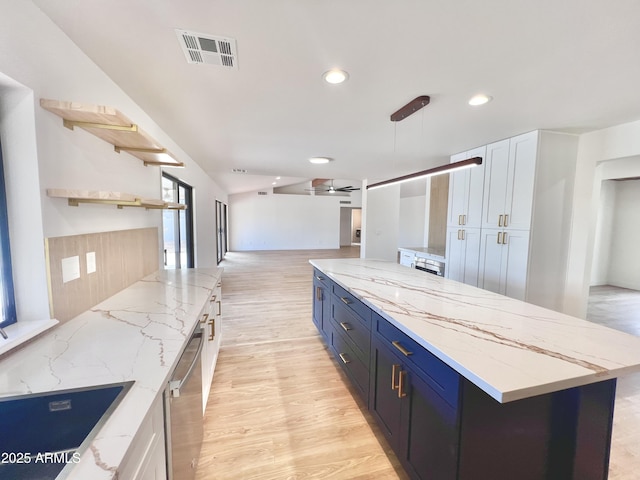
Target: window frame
{"points": [[7, 292]]}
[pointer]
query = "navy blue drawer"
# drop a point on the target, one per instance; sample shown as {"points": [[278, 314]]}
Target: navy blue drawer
{"points": [[357, 371], [442, 378], [321, 277], [355, 305], [353, 326]]}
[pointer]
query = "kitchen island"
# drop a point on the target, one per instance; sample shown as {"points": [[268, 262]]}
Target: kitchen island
{"points": [[469, 384], [136, 335]]}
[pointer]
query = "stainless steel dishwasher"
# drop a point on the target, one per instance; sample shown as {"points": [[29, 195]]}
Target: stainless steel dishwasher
{"points": [[183, 412]]}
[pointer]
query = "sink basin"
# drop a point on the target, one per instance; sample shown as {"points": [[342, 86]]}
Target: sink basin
{"points": [[43, 433]]}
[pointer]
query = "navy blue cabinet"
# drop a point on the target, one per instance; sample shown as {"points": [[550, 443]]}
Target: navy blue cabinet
{"points": [[419, 423], [322, 303], [443, 427]]}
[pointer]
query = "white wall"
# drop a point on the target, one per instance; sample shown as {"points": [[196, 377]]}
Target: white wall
{"points": [[38, 61], [411, 225], [283, 222], [381, 213], [604, 231], [619, 142], [624, 263]]}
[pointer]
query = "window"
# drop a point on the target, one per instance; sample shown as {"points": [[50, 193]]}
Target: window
{"points": [[177, 224], [7, 297]]}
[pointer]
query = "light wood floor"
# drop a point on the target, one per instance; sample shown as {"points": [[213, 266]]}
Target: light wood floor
{"points": [[281, 408]]}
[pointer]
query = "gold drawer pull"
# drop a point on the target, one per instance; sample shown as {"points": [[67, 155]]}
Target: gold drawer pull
{"points": [[345, 326], [504, 238], [500, 217], [212, 322], [499, 237], [506, 220], [204, 318], [318, 277], [403, 350], [213, 298], [318, 293], [345, 300], [394, 370], [219, 307], [401, 379], [459, 219], [344, 358]]}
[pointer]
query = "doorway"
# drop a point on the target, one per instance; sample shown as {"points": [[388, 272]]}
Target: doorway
{"points": [[350, 226], [177, 225], [221, 230]]}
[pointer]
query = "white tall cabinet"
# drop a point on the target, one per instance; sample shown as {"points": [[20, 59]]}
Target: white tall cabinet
{"points": [[525, 208], [464, 218]]}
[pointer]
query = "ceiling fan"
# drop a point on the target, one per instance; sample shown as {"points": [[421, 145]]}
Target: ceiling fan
{"points": [[319, 185]]}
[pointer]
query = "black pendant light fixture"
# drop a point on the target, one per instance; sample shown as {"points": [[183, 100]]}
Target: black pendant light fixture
{"points": [[410, 108]]}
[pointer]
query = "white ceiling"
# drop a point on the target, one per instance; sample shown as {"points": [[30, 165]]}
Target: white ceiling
{"points": [[570, 65]]}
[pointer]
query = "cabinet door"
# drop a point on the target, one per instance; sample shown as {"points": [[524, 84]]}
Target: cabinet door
{"points": [[503, 262], [458, 193], [515, 262], [322, 307], [473, 203], [384, 402], [521, 180], [495, 184], [491, 255], [430, 425], [463, 250]]}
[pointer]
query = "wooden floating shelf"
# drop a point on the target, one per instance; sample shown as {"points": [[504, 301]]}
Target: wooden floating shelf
{"points": [[119, 199], [113, 127]]}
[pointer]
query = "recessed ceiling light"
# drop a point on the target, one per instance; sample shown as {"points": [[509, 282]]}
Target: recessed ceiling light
{"points": [[277, 178], [479, 99], [319, 160], [335, 76], [274, 183]]}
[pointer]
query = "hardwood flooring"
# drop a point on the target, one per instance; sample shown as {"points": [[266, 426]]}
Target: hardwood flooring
{"points": [[280, 406]]}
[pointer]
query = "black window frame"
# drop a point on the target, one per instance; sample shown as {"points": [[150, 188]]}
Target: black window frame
{"points": [[6, 280], [188, 201]]}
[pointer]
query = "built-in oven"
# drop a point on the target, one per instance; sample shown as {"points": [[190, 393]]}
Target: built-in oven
{"points": [[429, 265]]}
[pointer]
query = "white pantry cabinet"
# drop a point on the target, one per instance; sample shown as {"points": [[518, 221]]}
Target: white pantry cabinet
{"points": [[463, 250], [465, 190], [509, 178], [504, 257], [211, 320]]}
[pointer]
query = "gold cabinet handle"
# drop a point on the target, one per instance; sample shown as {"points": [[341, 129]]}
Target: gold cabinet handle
{"points": [[212, 335], [344, 358], [459, 219], [500, 217], [506, 220], [462, 235], [219, 284], [318, 277], [318, 293], [219, 308], [464, 219], [345, 326], [213, 298], [394, 371], [345, 300], [499, 238], [504, 238], [204, 318], [402, 350], [401, 379], [459, 234]]}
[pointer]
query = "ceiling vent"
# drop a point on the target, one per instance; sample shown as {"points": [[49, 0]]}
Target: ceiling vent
{"points": [[262, 193], [209, 49]]}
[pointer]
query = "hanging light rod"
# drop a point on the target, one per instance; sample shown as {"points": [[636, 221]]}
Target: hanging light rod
{"points": [[450, 167], [412, 107]]}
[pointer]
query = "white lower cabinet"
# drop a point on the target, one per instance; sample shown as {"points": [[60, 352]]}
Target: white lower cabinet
{"points": [[463, 250], [146, 458], [504, 258], [212, 326]]}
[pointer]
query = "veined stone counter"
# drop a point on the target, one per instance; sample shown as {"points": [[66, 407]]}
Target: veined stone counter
{"points": [[508, 348], [137, 334]]}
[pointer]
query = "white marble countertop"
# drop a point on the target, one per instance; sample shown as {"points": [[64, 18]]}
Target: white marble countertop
{"points": [[508, 348], [136, 335], [428, 252]]}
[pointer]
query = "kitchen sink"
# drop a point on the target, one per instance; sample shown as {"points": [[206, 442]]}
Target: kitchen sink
{"points": [[42, 433]]}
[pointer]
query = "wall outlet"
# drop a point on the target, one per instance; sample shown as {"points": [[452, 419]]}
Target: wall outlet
{"points": [[70, 268], [91, 262]]}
